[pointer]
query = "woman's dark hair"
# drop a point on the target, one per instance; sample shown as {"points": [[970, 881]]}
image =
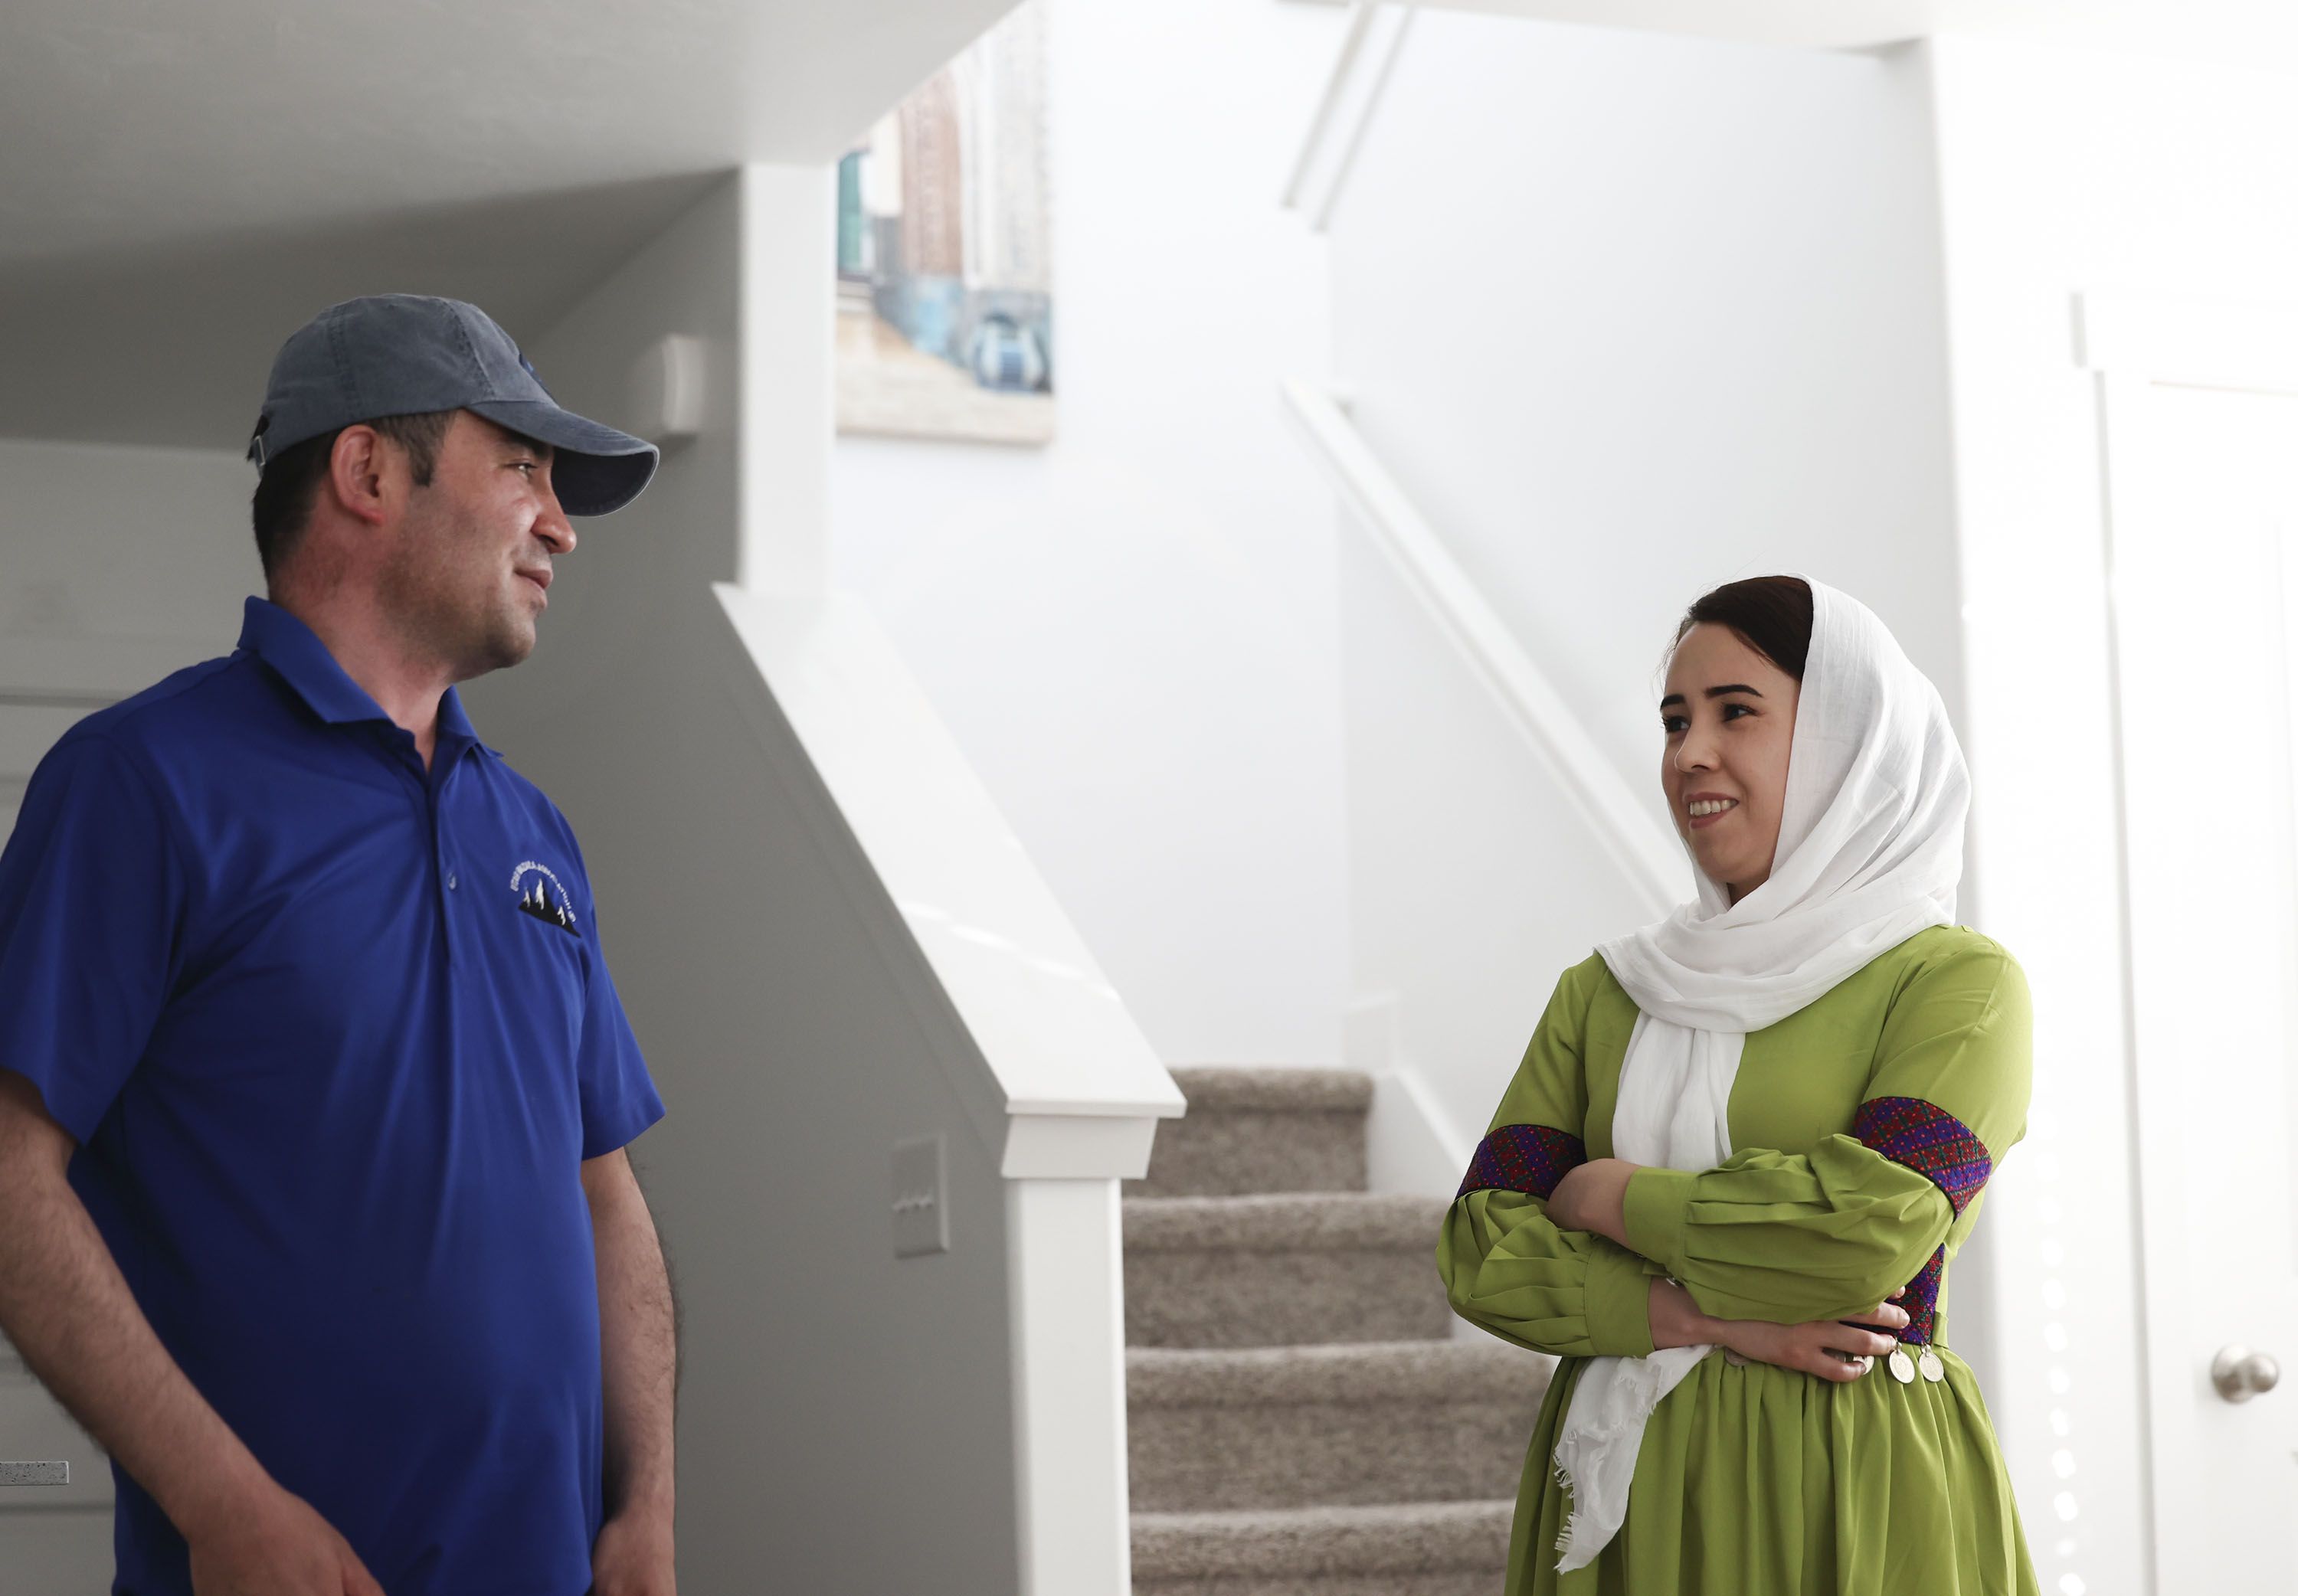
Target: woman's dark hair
{"points": [[1771, 615]]}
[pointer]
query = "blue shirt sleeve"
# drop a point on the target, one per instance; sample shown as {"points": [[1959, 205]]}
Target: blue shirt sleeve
{"points": [[617, 1094], [92, 910]]}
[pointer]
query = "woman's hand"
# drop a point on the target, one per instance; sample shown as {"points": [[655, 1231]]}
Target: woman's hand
{"points": [[1809, 1349], [1812, 1348]]}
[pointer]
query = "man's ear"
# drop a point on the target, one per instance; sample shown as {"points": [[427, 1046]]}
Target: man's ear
{"points": [[355, 474]]}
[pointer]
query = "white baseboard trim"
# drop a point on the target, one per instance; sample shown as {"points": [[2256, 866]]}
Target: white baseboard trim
{"points": [[1410, 1143]]}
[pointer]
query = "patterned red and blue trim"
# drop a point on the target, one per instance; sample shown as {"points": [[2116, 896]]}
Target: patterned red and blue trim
{"points": [[1523, 1158], [1930, 1141], [1933, 1143]]}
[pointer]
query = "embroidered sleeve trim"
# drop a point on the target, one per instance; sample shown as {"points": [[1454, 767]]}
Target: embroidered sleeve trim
{"points": [[1523, 1158], [1933, 1143], [1922, 1304], [1930, 1141]]}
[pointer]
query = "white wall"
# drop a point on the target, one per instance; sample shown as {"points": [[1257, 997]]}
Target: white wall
{"points": [[1132, 632], [1627, 317], [827, 1385], [2063, 172], [98, 539]]}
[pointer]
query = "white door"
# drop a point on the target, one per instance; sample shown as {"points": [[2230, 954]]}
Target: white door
{"points": [[53, 1538], [2204, 558]]}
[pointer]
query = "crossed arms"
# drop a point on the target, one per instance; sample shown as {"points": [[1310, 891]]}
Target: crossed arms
{"points": [[1581, 1257]]}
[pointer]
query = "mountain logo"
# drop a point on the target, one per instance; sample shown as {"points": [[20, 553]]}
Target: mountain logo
{"points": [[545, 896]]}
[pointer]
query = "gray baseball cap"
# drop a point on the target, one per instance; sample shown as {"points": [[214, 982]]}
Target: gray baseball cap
{"points": [[404, 355]]}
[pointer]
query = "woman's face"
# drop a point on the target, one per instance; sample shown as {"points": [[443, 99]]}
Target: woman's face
{"points": [[1729, 716]]}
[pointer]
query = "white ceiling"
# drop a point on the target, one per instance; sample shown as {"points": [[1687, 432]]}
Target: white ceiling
{"points": [[182, 185], [2247, 32]]}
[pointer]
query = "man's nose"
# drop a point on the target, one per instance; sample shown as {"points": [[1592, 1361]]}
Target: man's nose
{"points": [[552, 526]]}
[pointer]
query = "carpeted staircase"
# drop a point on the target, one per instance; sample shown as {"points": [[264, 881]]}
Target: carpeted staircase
{"points": [[1302, 1422]]}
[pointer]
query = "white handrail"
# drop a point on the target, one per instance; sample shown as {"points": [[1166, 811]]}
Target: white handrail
{"points": [[1055, 1074], [1652, 860], [1322, 218], [1345, 110], [1344, 64]]}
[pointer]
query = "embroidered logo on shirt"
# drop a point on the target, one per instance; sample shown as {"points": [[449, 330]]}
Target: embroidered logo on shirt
{"points": [[542, 895]]}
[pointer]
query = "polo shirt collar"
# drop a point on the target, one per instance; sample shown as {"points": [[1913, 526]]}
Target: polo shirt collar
{"points": [[278, 637]]}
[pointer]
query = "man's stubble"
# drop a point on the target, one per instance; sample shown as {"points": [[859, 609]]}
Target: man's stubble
{"points": [[449, 602]]}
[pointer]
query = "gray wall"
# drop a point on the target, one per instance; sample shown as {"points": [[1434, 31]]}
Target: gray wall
{"points": [[846, 1420], [101, 539], [116, 565]]}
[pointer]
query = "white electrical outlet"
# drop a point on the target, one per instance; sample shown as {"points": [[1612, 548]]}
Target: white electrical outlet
{"points": [[920, 1198]]}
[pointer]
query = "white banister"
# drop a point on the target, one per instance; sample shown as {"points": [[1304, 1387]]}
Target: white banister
{"points": [[1360, 16], [1652, 860], [1352, 91], [1055, 1073], [1030, 1042]]}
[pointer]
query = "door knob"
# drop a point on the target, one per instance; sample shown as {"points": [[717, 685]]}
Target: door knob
{"points": [[2241, 1374]]}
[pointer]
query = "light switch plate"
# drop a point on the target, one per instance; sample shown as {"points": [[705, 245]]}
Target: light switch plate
{"points": [[920, 1198]]}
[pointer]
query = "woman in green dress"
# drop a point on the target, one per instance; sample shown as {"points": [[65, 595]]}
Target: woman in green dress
{"points": [[1744, 1146]]}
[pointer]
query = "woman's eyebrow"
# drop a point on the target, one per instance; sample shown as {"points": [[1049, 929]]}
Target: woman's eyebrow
{"points": [[1713, 692]]}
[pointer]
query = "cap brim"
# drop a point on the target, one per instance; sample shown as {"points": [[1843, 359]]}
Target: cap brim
{"points": [[594, 469]]}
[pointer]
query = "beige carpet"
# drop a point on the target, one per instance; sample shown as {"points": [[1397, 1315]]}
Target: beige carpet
{"points": [[1302, 1421]]}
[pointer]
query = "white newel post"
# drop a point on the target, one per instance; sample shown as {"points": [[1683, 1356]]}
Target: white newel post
{"points": [[1066, 1280], [1065, 1283]]}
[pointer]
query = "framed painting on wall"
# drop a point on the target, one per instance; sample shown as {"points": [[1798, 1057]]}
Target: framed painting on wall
{"points": [[944, 305]]}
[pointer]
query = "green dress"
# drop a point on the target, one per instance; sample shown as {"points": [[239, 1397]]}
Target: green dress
{"points": [[1867, 1122]]}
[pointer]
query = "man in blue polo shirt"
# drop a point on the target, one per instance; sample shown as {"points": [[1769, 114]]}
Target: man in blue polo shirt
{"points": [[313, 1084]]}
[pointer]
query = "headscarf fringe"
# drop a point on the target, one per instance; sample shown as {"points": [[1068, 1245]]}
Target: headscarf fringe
{"points": [[1572, 1516]]}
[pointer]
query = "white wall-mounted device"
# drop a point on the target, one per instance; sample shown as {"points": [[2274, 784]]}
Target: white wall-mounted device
{"points": [[669, 390]]}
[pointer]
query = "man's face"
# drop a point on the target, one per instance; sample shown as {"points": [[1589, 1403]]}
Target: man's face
{"points": [[466, 578]]}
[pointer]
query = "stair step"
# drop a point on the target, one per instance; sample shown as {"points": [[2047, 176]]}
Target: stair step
{"points": [[1229, 1087], [1327, 1222], [1333, 1426], [1252, 1130], [1414, 1549], [1282, 1268]]}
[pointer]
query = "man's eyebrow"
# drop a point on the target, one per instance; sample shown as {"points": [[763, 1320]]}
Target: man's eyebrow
{"points": [[509, 442], [1713, 692]]}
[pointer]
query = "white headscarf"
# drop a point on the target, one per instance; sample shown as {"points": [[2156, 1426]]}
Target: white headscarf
{"points": [[1870, 851]]}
